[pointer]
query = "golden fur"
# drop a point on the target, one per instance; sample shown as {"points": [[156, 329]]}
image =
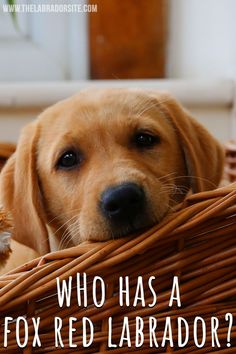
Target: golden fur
{"points": [[101, 124]]}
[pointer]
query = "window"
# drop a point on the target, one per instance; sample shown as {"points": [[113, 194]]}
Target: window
{"points": [[47, 46]]}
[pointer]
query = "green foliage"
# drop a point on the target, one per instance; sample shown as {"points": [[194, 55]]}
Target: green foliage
{"points": [[13, 14]]}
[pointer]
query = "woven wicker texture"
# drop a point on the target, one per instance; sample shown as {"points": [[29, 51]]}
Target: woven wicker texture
{"points": [[230, 161], [196, 243]]}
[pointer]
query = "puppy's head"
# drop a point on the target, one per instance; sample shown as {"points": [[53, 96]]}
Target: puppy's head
{"points": [[106, 163]]}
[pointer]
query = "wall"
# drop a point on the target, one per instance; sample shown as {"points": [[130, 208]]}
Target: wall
{"points": [[47, 46], [201, 43], [202, 39], [212, 102]]}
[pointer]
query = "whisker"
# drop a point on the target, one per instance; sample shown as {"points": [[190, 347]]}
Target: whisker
{"points": [[197, 177], [67, 233], [167, 175], [150, 104], [63, 214], [65, 238], [65, 224]]}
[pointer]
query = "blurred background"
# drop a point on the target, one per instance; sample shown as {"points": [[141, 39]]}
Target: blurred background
{"points": [[184, 46], [129, 39]]}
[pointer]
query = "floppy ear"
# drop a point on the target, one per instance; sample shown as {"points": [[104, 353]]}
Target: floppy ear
{"points": [[20, 193], [204, 155]]}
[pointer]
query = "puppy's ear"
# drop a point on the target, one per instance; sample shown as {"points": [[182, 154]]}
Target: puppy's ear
{"points": [[20, 192], [204, 156]]}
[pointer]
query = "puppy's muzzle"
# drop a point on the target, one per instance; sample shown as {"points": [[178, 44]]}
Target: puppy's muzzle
{"points": [[123, 203]]}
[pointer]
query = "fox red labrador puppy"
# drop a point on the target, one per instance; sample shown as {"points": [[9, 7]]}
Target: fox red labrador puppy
{"points": [[104, 164]]}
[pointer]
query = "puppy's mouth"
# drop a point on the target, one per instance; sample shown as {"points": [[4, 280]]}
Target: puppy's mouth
{"points": [[131, 227]]}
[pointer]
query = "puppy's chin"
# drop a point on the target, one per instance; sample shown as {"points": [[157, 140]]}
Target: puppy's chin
{"points": [[116, 231]]}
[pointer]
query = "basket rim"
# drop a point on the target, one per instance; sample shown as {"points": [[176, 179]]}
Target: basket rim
{"points": [[225, 195]]}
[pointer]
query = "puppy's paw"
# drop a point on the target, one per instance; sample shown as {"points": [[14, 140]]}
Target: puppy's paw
{"points": [[5, 238], [5, 248]]}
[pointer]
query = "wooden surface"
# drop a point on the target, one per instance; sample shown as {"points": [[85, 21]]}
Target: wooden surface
{"points": [[127, 39]]}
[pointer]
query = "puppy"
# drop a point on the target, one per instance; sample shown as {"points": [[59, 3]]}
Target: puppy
{"points": [[6, 150], [104, 164]]}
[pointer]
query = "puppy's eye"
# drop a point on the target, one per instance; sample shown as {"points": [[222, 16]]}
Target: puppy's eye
{"points": [[68, 160], [146, 140]]}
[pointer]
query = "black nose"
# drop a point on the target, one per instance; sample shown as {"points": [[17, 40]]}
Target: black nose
{"points": [[123, 202]]}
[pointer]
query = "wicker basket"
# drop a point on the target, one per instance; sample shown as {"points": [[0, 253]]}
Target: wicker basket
{"points": [[196, 243], [230, 161]]}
